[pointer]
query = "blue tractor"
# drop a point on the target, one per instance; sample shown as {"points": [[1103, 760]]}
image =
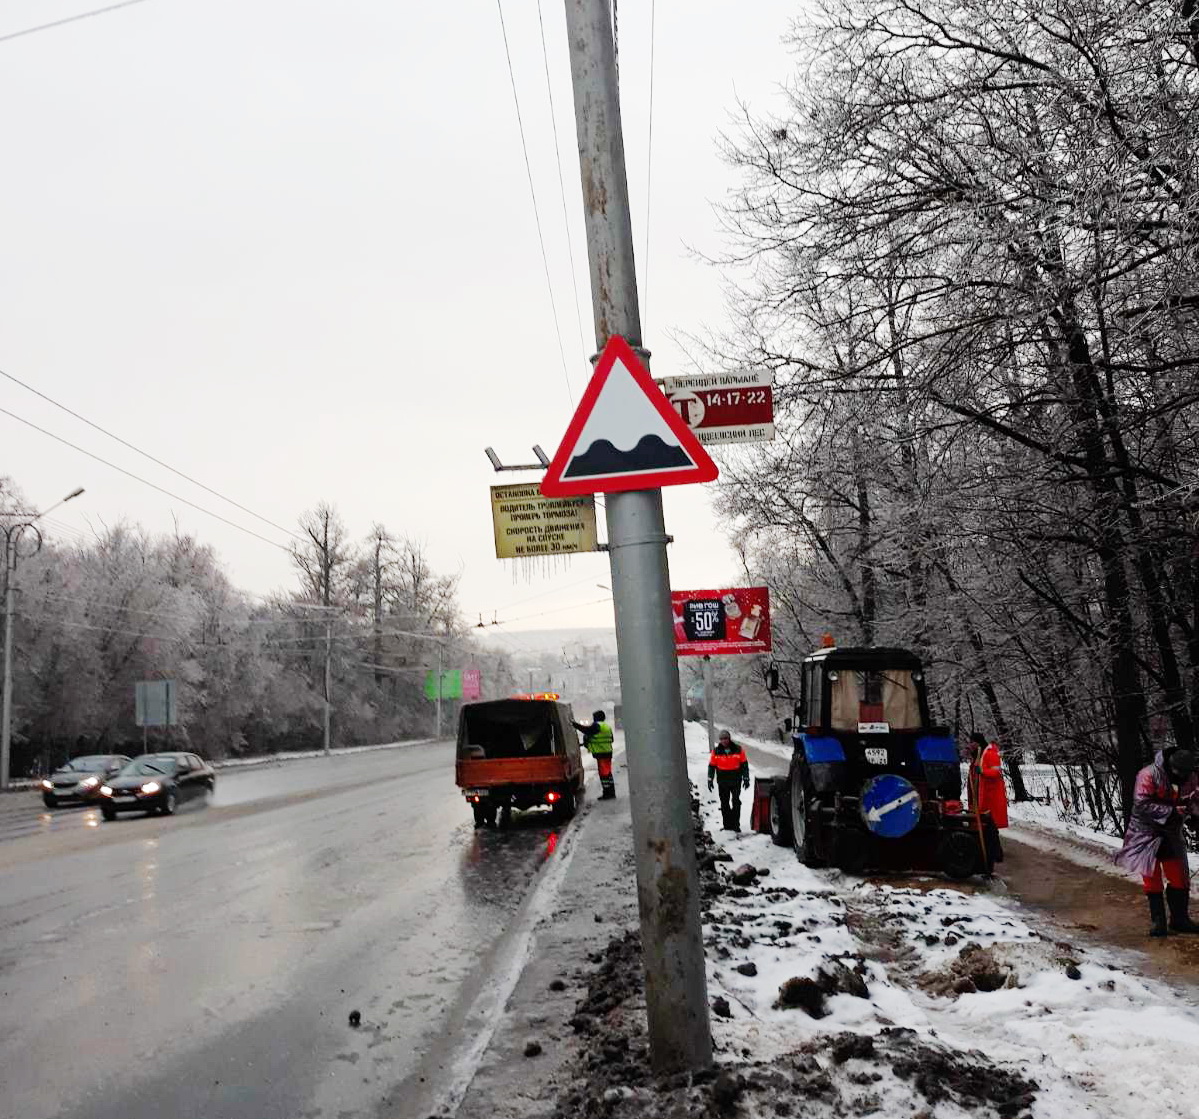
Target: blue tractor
{"points": [[873, 784]]}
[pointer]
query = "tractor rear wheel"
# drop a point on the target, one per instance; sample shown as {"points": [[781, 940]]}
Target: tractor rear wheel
{"points": [[960, 854], [803, 816]]}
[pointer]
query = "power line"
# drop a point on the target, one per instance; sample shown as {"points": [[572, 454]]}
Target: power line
{"points": [[542, 594], [536, 212], [145, 482], [649, 163], [557, 610], [549, 88], [69, 19], [146, 454]]}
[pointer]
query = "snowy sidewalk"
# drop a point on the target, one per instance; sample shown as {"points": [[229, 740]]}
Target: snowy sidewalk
{"points": [[964, 971]]}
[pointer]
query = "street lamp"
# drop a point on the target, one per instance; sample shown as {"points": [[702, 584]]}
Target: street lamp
{"points": [[12, 543]]}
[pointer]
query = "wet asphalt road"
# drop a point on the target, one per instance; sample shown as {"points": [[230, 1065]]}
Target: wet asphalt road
{"points": [[206, 964]]}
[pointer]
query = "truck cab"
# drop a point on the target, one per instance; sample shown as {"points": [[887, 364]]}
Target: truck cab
{"points": [[873, 782]]}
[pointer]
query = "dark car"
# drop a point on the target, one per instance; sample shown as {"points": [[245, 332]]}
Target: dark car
{"points": [[157, 783], [79, 781]]}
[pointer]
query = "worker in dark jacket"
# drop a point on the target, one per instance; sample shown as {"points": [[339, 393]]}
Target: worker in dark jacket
{"points": [[730, 767], [1166, 795], [598, 738]]}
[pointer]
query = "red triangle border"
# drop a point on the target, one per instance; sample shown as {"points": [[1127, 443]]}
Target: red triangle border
{"points": [[554, 485]]}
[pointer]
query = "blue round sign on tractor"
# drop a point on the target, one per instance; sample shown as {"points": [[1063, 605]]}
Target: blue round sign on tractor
{"points": [[890, 805]]}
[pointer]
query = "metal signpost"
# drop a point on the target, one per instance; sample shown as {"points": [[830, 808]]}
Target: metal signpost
{"points": [[667, 882], [155, 705], [725, 407]]}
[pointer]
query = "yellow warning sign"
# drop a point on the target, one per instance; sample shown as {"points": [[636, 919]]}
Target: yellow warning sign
{"points": [[527, 524]]}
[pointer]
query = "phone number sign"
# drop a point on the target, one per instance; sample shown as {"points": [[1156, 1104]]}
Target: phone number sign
{"points": [[725, 407], [732, 620]]}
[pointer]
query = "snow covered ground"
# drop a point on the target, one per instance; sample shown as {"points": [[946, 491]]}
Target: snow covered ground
{"points": [[962, 977]]}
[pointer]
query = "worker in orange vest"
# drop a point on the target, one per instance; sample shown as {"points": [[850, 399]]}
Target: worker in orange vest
{"points": [[985, 780], [730, 767]]}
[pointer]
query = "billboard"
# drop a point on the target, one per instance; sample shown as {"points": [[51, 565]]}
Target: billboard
{"points": [[527, 524], [720, 622], [456, 683]]}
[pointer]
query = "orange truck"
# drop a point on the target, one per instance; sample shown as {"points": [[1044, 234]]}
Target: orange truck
{"points": [[516, 754]]}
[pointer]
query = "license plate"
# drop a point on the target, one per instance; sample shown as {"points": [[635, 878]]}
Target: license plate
{"points": [[474, 792], [875, 755], [125, 796]]}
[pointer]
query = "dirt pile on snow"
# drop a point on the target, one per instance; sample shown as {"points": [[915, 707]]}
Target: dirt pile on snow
{"points": [[834, 1072]]}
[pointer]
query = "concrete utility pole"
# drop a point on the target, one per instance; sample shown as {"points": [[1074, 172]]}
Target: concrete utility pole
{"points": [[328, 682], [709, 703], [440, 674], [667, 882]]}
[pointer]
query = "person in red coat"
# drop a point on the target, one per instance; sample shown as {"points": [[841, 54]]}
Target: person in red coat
{"points": [[985, 779]]}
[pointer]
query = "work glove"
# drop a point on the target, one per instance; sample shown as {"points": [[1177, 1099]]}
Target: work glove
{"points": [[745, 783], [709, 784]]}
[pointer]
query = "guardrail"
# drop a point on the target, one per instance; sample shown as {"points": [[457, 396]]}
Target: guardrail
{"points": [[26, 783]]}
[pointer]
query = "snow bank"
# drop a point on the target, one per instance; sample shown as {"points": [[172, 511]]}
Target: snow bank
{"points": [[269, 759], [299, 755]]}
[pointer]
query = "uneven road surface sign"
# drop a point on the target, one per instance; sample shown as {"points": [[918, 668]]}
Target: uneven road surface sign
{"points": [[625, 435]]}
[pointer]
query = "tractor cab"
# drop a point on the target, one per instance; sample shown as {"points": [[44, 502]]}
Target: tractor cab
{"points": [[862, 692], [873, 782]]}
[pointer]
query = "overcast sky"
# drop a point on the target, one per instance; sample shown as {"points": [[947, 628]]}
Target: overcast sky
{"points": [[289, 248]]}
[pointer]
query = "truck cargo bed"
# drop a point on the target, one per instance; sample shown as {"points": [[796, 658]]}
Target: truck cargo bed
{"points": [[482, 773]]}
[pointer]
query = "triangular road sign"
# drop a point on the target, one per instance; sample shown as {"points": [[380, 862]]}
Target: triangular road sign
{"points": [[625, 435]]}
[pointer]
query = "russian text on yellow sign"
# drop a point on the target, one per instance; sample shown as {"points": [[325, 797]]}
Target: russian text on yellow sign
{"points": [[527, 524]]}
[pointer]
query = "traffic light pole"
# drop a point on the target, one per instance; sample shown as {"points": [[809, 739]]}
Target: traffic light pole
{"points": [[659, 790]]}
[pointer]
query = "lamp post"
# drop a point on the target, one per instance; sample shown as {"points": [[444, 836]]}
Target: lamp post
{"points": [[12, 543]]}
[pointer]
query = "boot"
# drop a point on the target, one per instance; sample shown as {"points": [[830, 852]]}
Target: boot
{"points": [[1157, 915], [609, 787], [1177, 900]]}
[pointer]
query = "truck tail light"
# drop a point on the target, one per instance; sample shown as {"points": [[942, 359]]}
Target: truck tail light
{"points": [[552, 796]]}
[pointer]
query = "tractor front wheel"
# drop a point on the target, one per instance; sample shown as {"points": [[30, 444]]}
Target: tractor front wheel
{"points": [[780, 814], [803, 816]]}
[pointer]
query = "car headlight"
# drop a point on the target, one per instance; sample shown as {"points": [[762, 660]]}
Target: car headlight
{"points": [[47, 785], [89, 782], [151, 787], [105, 791]]}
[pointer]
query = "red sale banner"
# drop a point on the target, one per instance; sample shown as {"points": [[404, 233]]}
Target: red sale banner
{"points": [[732, 620]]}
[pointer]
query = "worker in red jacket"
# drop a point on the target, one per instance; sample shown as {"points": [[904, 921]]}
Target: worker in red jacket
{"points": [[730, 767], [985, 780]]}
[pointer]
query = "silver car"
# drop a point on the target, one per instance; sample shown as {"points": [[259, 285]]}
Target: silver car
{"points": [[79, 781]]}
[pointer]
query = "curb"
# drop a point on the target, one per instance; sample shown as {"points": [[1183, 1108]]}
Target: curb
{"points": [[597, 901]]}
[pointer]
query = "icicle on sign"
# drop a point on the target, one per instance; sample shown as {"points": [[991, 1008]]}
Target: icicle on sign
{"points": [[625, 435]]}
